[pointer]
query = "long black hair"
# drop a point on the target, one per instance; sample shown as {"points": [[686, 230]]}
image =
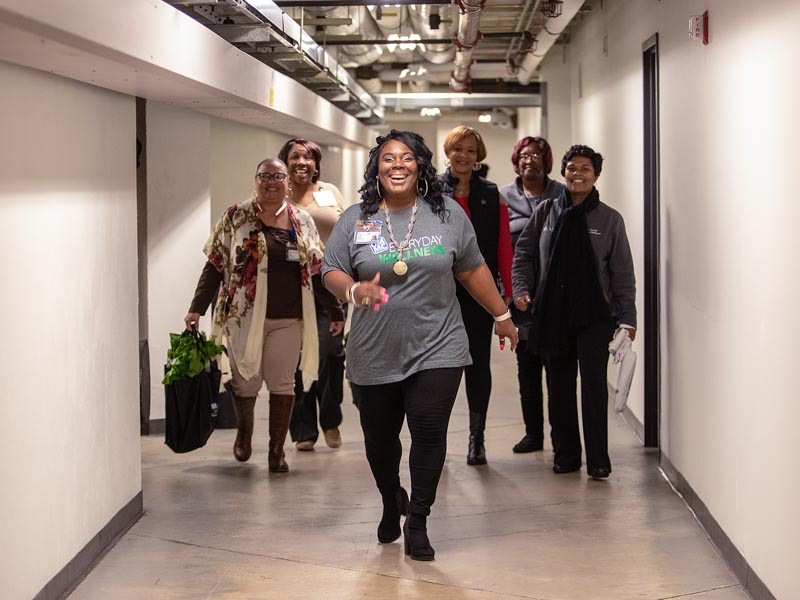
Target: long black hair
{"points": [[428, 185]]}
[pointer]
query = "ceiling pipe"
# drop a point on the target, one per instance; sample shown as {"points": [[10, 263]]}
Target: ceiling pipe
{"points": [[547, 36], [361, 23], [421, 18], [468, 36]]}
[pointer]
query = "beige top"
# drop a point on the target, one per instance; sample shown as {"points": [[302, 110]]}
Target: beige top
{"points": [[325, 209]]}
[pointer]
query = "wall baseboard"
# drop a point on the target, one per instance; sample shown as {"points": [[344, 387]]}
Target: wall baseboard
{"points": [[634, 423], [741, 569], [76, 569]]}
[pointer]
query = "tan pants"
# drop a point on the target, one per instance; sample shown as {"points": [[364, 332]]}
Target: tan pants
{"points": [[281, 352]]}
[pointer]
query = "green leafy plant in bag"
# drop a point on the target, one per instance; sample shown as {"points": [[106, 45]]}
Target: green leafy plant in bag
{"points": [[189, 355]]}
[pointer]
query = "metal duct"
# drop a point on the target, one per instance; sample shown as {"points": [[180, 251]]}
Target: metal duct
{"points": [[361, 22], [420, 19], [547, 36], [468, 31]]}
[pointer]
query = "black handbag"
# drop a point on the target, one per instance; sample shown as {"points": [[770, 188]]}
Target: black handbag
{"points": [[191, 405], [226, 415]]}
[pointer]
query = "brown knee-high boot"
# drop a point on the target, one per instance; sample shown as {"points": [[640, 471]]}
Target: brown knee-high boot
{"points": [[244, 408], [280, 413]]}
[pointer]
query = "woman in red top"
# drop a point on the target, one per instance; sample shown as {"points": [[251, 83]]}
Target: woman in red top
{"points": [[488, 213]]}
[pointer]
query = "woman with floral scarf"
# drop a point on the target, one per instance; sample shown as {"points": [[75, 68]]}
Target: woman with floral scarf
{"points": [[264, 259]]}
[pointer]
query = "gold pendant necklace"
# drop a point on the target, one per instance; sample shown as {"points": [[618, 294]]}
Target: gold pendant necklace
{"points": [[400, 267]]}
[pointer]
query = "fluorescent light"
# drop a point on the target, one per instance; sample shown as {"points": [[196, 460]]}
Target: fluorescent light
{"points": [[485, 118], [430, 112]]}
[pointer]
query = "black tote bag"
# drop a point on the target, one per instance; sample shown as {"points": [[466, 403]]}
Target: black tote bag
{"points": [[191, 406]]}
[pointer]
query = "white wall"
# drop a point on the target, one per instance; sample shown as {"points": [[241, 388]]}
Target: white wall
{"points": [[236, 150], [70, 434], [178, 217], [729, 129]]}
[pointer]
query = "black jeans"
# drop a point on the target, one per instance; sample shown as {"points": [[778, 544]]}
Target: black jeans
{"points": [[531, 397], [477, 376], [426, 399], [328, 390], [588, 348]]}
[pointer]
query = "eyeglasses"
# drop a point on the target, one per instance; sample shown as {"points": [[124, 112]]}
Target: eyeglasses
{"points": [[527, 157], [265, 177]]}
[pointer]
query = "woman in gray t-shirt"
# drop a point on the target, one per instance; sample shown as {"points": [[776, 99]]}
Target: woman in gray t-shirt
{"points": [[396, 256]]}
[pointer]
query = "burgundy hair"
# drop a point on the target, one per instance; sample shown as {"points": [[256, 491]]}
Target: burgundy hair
{"points": [[544, 149]]}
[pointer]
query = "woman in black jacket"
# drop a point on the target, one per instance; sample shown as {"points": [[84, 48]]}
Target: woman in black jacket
{"points": [[488, 213], [573, 261]]}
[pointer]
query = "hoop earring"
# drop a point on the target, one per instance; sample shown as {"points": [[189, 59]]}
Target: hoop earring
{"points": [[378, 188], [447, 163], [423, 194], [477, 167]]}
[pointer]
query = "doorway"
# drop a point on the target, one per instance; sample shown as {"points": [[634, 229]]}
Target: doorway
{"points": [[652, 321]]}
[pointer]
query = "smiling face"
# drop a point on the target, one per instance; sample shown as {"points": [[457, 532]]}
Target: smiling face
{"points": [[530, 163], [272, 191], [397, 173], [301, 165], [463, 156], [579, 177]]}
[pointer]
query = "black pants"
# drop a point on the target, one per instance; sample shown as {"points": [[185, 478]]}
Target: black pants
{"points": [[477, 376], [426, 399], [588, 348], [328, 390], [531, 397]]}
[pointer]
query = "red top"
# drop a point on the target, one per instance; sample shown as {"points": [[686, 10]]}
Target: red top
{"points": [[505, 253]]}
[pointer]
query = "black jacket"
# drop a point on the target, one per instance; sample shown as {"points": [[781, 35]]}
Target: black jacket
{"points": [[484, 213]]}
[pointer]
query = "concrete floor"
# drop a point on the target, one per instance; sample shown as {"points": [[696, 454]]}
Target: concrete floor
{"points": [[215, 528]]}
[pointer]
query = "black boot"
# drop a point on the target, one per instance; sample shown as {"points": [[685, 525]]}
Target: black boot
{"points": [[476, 455], [244, 408], [394, 505], [415, 538]]}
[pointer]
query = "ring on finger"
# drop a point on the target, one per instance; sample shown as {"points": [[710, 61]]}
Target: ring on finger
{"points": [[365, 301]]}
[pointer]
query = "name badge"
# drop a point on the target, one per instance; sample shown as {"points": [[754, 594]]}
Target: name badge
{"points": [[325, 198], [367, 231], [292, 254]]}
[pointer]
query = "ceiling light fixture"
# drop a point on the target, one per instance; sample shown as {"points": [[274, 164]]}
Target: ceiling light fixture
{"points": [[430, 112], [552, 9], [485, 118]]}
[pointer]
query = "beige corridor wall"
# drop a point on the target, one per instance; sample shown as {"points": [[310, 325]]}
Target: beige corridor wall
{"points": [[729, 131], [178, 216], [70, 432]]}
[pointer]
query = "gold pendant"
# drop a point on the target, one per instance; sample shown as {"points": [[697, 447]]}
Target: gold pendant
{"points": [[400, 268]]}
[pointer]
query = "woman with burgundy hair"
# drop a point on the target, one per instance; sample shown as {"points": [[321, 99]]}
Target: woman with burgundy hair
{"points": [[533, 160]]}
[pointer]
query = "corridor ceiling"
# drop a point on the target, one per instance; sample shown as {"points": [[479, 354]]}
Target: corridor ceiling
{"points": [[467, 55]]}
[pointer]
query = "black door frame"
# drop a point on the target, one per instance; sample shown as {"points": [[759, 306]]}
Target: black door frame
{"points": [[652, 288]]}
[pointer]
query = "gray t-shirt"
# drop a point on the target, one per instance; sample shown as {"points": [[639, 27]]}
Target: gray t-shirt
{"points": [[420, 327]]}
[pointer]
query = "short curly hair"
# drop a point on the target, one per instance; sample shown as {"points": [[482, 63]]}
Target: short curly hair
{"points": [[426, 174], [544, 148], [313, 149], [585, 152]]}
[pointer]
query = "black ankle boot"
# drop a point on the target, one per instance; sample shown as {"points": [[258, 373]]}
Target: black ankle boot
{"points": [[394, 505], [415, 538], [476, 454]]}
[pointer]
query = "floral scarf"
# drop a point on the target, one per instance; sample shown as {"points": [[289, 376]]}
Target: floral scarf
{"points": [[238, 249]]}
